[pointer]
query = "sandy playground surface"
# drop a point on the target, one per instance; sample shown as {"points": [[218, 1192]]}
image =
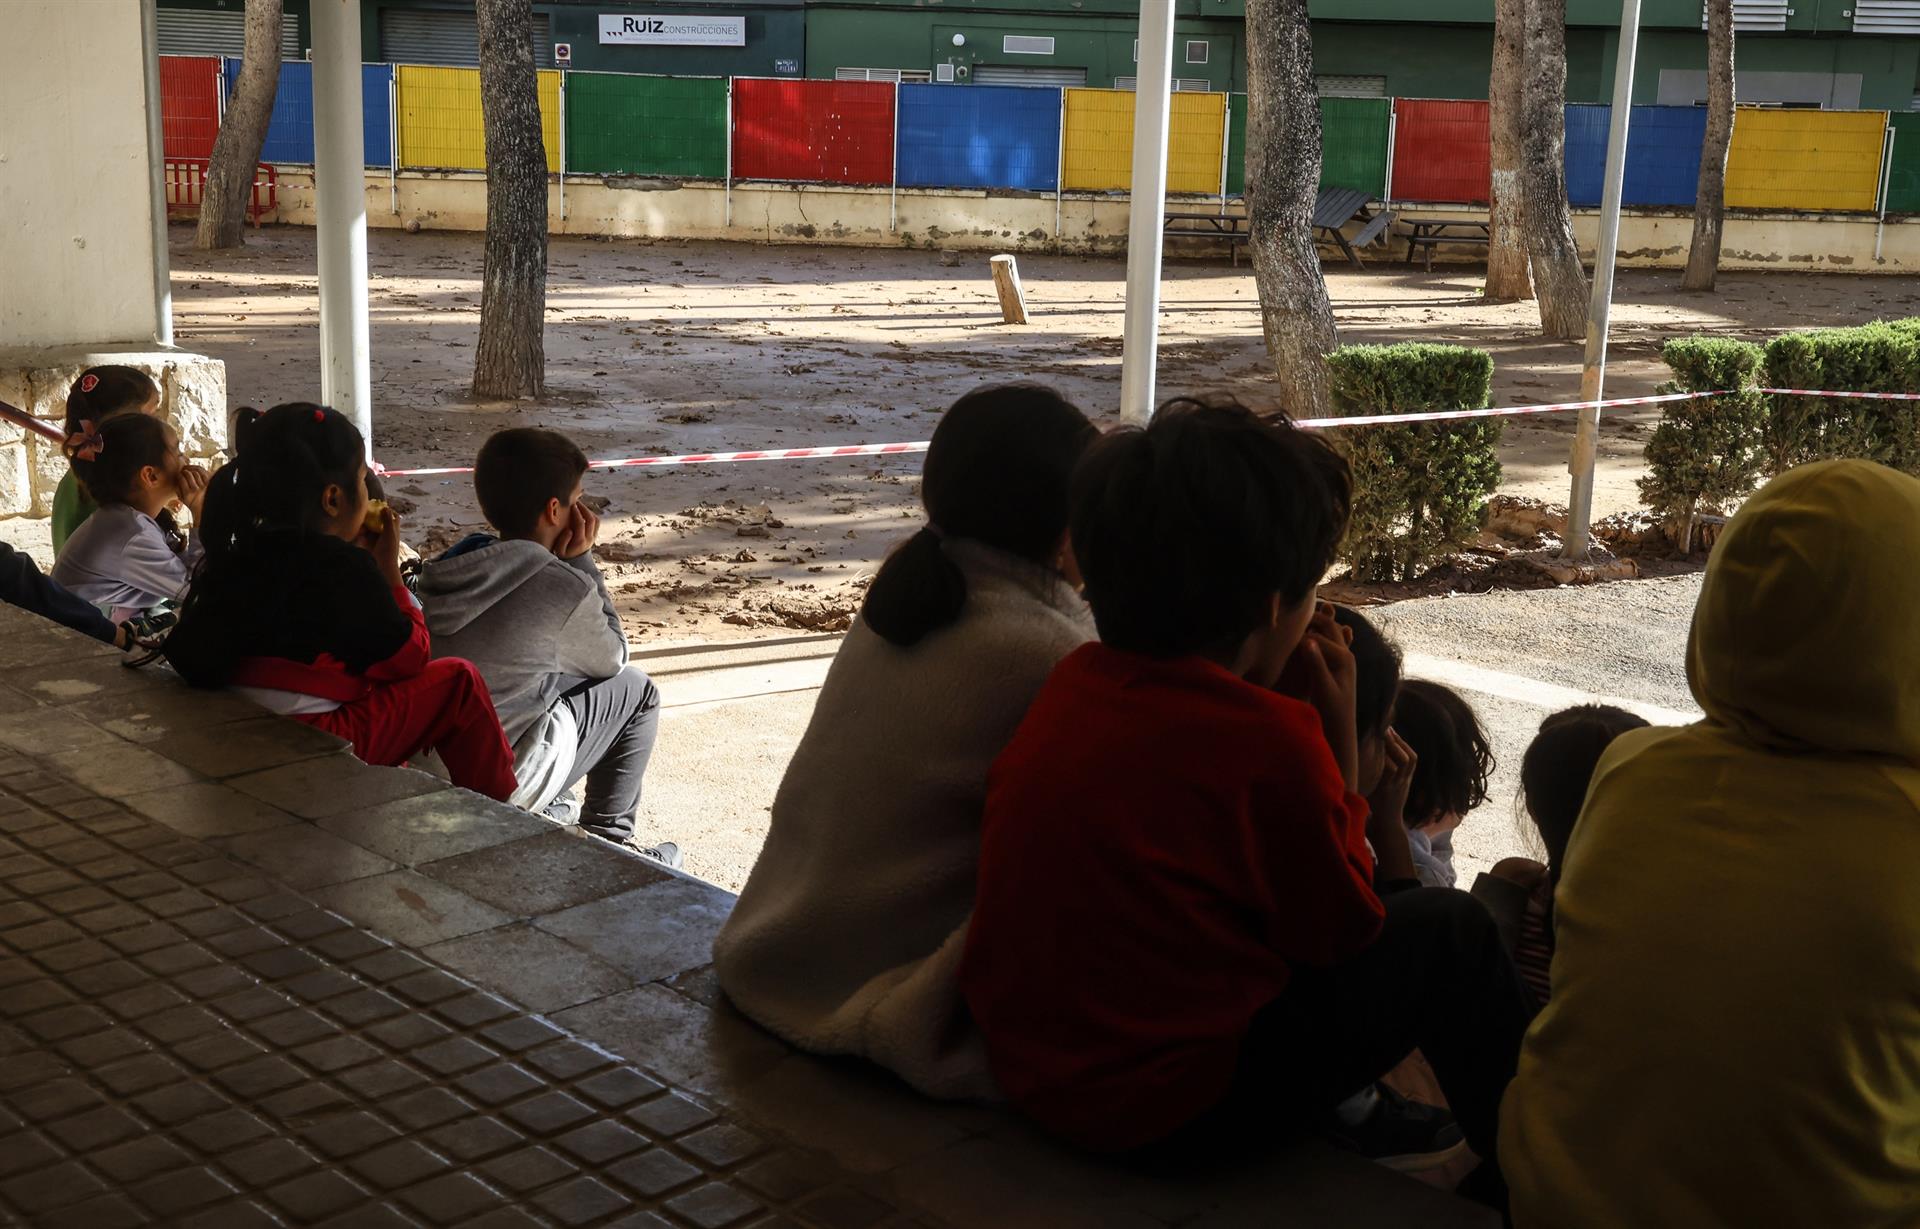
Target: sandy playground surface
{"points": [[665, 347]]}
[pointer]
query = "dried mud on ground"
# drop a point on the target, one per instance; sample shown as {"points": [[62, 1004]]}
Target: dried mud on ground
{"points": [[665, 347]]}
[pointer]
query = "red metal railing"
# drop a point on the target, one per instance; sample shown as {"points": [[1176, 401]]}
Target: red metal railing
{"points": [[187, 177]]}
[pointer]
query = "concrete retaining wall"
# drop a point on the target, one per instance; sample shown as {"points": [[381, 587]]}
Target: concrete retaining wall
{"points": [[631, 207], [193, 397]]}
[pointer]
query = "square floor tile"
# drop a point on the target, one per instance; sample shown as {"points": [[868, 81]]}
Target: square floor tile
{"points": [[531, 967], [239, 747], [546, 873], [651, 932], [315, 788], [434, 826], [409, 908], [203, 809], [305, 857]]}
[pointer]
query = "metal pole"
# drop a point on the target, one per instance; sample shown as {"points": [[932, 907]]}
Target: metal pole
{"points": [[1586, 440], [1393, 134], [1060, 171], [340, 207], [156, 177], [1226, 143], [561, 107], [729, 221], [393, 137], [893, 204], [1886, 178], [1147, 203]]}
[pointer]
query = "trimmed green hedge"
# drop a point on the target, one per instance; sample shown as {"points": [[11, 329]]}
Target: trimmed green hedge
{"points": [[1419, 491], [1706, 454], [1879, 357]]}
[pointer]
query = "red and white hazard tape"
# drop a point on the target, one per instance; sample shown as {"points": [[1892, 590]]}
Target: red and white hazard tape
{"points": [[708, 458], [1833, 392]]}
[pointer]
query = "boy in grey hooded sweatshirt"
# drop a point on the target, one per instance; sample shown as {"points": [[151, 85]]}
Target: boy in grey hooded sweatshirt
{"points": [[530, 609]]}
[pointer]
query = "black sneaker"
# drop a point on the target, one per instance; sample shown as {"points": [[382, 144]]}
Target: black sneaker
{"points": [[1401, 1134], [666, 853]]}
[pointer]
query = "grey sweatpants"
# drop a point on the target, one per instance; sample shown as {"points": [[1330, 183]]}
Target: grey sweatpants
{"points": [[618, 720]]}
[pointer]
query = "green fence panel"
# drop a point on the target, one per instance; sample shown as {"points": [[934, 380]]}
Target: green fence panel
{"points": [[626, 125], [1353, 143], [1903, 184], [1236, 144]]}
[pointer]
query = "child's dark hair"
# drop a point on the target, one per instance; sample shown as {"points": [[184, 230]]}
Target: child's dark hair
{"points": [[102, 392], [1186, 529], [1558, 768], [997, 472], [1456, 760], [519, 471], [108, 459], [1376, 674], [285, 459]]}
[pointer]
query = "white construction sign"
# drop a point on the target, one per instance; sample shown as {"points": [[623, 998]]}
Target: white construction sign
{"points": [[674, 31]]}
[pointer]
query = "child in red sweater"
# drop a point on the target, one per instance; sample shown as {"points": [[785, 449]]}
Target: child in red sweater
{"points": [[1177, 913]]}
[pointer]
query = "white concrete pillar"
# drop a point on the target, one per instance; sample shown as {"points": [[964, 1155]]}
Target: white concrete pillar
{"points": [[340, 206], [1147, 203]]}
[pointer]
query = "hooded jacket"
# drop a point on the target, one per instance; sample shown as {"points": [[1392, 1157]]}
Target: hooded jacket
{"points": [[848, 936], [535, 625], [1734, 1033]]}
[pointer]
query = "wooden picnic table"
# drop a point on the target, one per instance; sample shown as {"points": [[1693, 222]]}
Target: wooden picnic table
{"points": [[1333, 208], [1429, 233]]}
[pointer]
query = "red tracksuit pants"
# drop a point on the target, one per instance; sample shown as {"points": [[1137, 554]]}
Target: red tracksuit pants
{"points": [[445, 707]]}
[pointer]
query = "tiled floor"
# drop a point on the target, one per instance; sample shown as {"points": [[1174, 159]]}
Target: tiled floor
{"points": [[245, 979]]}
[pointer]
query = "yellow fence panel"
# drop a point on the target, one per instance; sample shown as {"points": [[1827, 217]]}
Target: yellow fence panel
{"points": [[1098, 156], [440, 123], [1814, 160]]}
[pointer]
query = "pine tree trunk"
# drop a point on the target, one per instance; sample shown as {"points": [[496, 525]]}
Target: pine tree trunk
{"points": [[1283, 176], [1507, 278], [1557, 276], [511, 360], [1710, 203], [243, 130]]}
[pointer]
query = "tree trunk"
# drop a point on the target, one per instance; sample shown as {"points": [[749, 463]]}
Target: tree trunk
{"points": [[511, 361], [1710, 204], [1283, 176], [1507, 278], [243, 130], [1557, 275]]}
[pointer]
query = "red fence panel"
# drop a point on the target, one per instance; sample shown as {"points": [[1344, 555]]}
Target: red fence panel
{"points": [[189, 105], [820, 131], [1440, 151]]}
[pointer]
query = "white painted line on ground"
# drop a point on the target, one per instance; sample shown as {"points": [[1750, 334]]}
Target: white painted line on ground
{"points": [[1532, 691]]}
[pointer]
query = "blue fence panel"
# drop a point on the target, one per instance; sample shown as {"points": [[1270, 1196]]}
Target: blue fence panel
{"points": [[290, 131], [979, 136], [1663, 154]]}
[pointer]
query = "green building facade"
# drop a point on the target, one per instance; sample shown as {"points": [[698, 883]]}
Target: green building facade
{"points": [[1820, 53]]}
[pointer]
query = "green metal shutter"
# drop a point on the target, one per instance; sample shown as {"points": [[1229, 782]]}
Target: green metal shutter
{"points": [[438, 36], [213, 32], [1353, 144]]}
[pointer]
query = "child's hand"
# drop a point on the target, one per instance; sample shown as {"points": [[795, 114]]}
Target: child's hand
{"points": [[386, 549], [1325, 665], [191, 486], [583, 530], [1389, 798]]}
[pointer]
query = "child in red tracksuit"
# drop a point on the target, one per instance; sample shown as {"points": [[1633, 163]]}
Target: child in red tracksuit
{"points": [[1178, 917], [299, 605]]}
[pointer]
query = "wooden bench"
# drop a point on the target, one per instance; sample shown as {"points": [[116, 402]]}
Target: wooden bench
{"points": [[1333, 208], [1228, 228], [1429, 233]]}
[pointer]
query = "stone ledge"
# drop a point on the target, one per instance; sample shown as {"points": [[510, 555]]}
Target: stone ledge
{"points": [[193, 397]]}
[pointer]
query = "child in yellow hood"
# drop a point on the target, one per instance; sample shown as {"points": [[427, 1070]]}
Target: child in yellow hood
{"points": [[1734, 1036]]}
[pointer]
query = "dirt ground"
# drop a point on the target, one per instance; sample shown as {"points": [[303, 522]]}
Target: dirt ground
{"points": [[664, 347]]}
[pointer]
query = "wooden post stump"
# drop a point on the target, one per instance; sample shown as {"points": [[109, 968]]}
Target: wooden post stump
{"points": [[1006, 283]]}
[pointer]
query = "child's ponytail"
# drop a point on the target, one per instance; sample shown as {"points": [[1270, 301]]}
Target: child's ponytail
{"points": [[284, 460], [996, 473]]}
